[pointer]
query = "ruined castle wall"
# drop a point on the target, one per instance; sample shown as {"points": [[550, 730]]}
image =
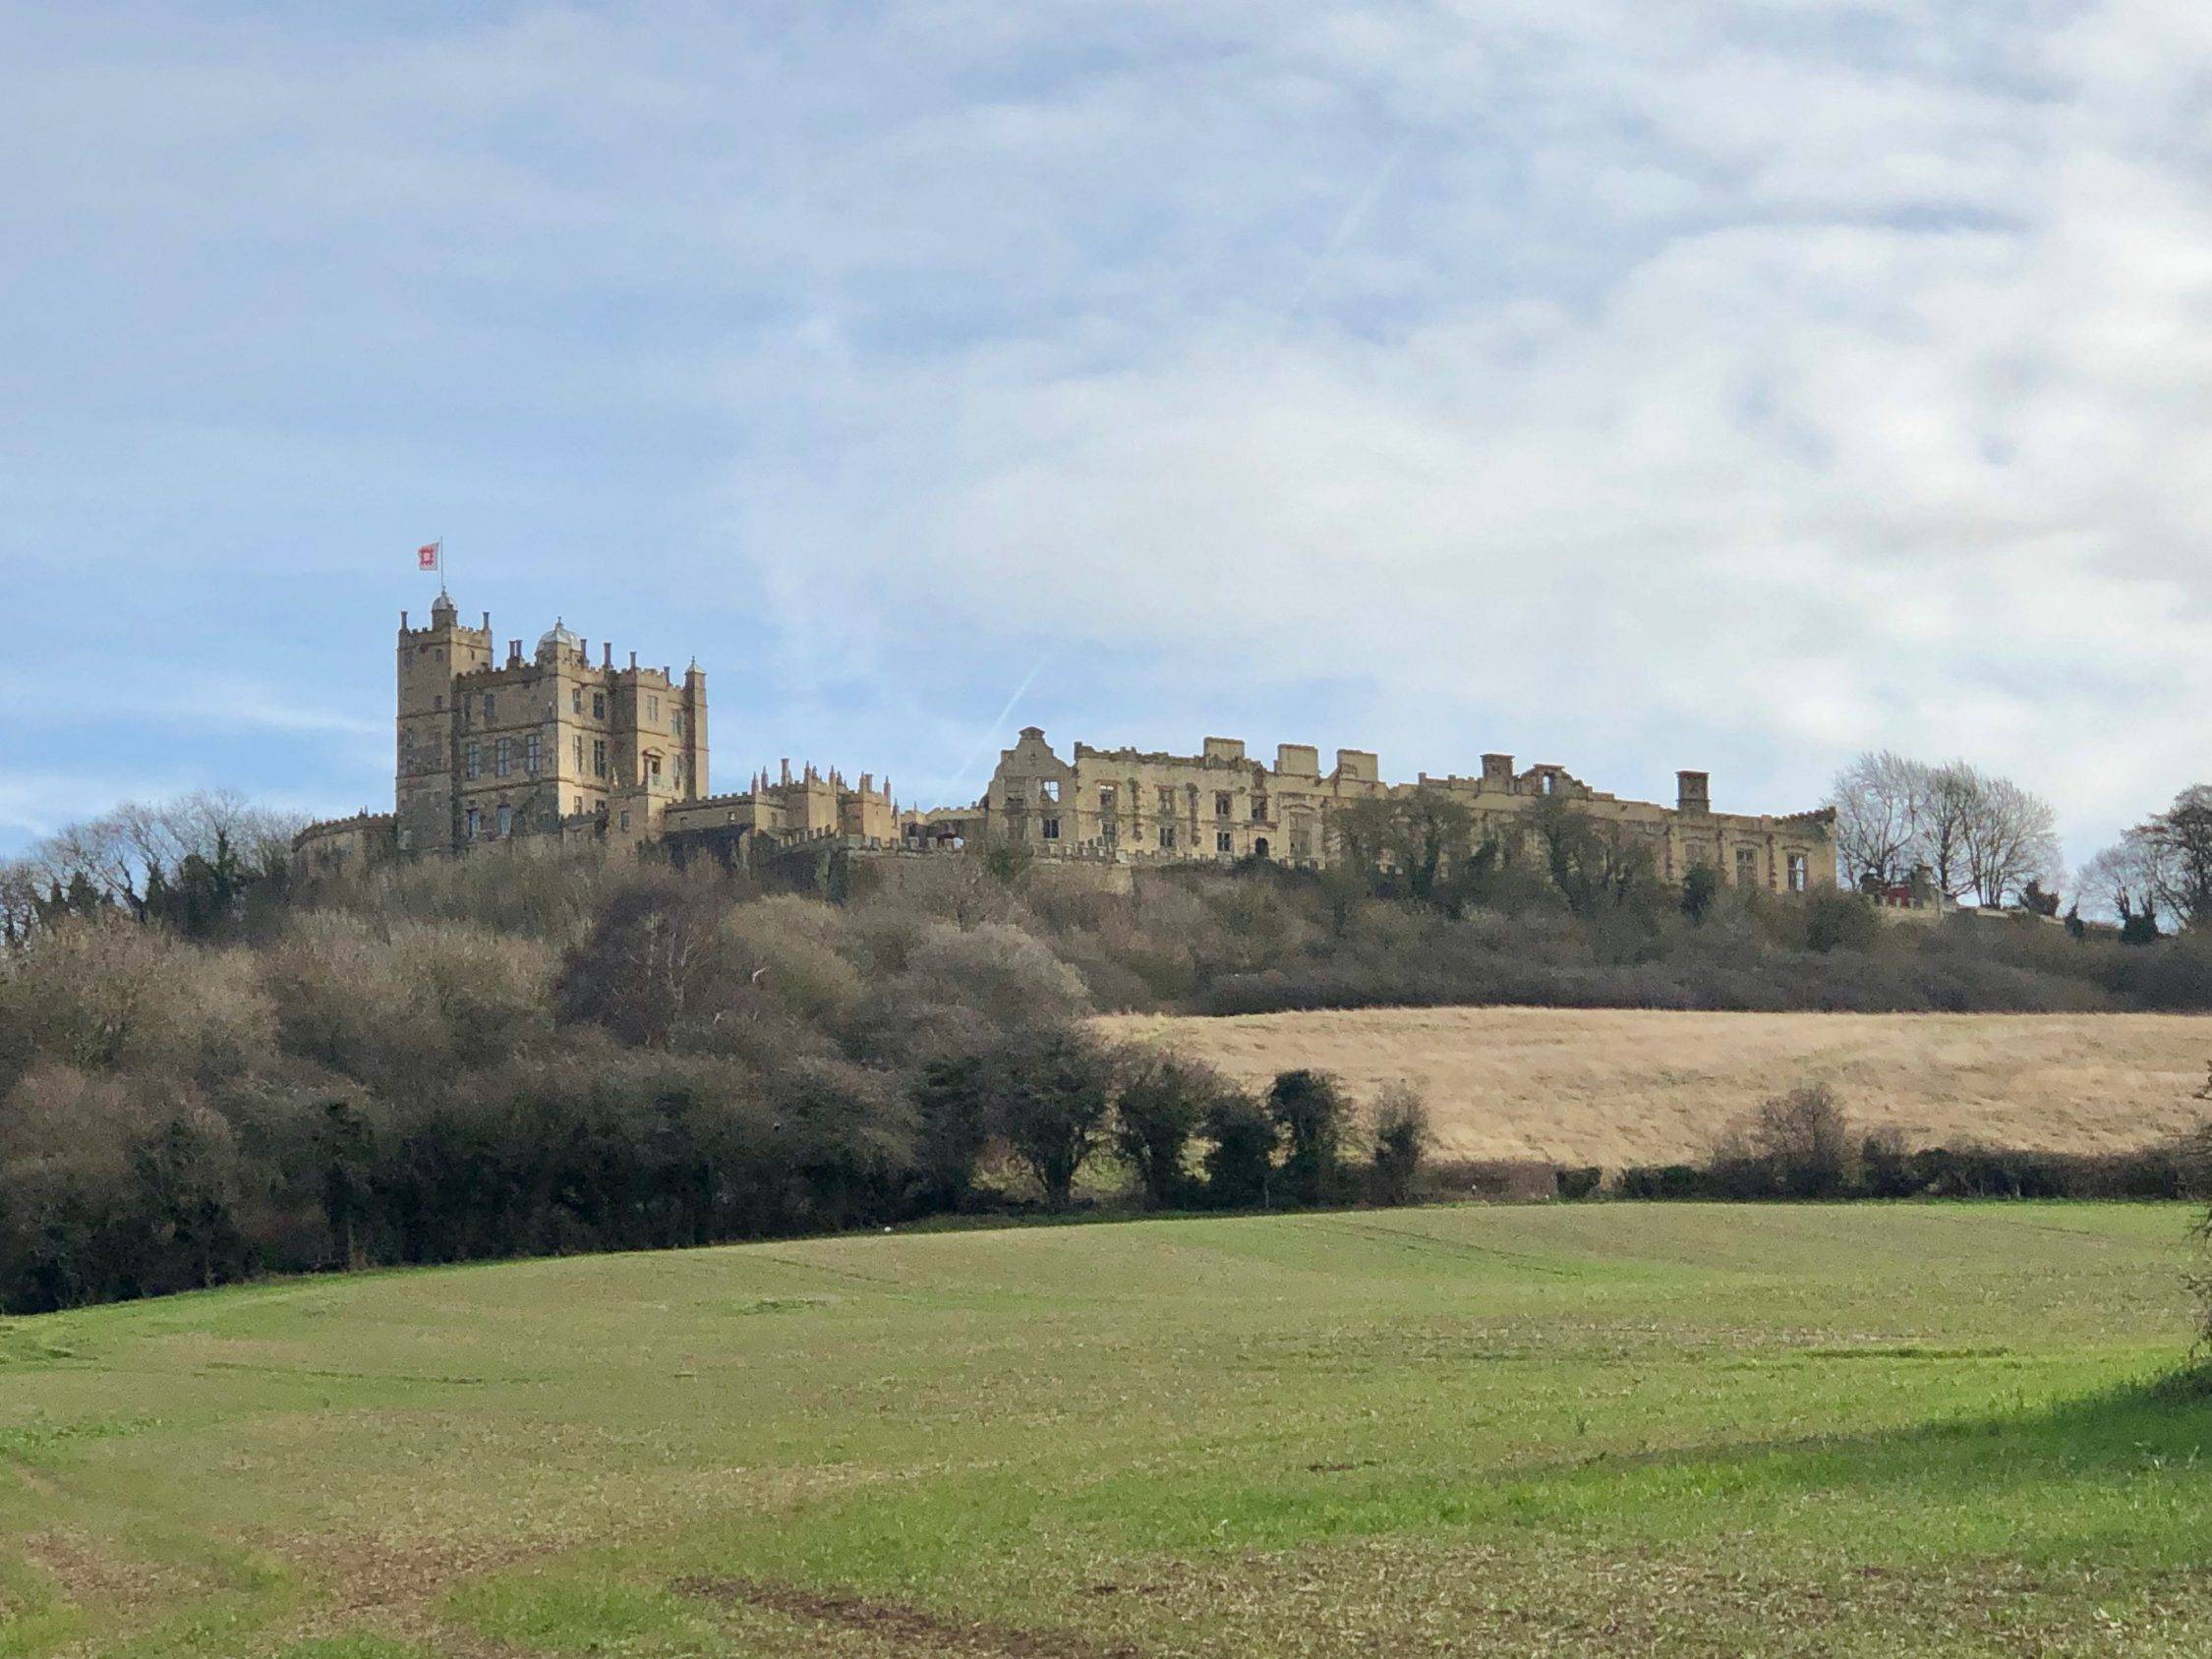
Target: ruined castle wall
{"points": [[1130, 806]]}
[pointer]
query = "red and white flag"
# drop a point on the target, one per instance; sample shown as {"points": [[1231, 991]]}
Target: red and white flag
{"points": [[428, 557]]}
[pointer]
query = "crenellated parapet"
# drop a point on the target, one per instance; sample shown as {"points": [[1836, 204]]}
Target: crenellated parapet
{"points": [[1221, 805]]}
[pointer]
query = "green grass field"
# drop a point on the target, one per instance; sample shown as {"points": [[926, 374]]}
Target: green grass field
{"points": [[1584, 1428]]}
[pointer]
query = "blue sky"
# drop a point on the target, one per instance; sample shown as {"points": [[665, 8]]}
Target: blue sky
{"points": [[1630, 386]]}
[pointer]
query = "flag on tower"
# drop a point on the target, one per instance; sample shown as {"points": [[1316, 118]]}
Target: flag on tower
{"points": [[430, 557]]}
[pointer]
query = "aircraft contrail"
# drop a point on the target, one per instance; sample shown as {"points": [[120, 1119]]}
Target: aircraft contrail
{"points": [[1345, 227], [997, 720]]}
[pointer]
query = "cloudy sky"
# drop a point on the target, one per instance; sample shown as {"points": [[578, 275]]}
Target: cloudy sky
{"points": [[1631, 387]]}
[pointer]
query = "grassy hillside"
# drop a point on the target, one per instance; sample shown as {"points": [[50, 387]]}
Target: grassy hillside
{"points": [[1591, 1428], [1620, 1086]]}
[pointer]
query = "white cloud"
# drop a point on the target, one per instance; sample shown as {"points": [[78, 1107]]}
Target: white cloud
{"points": [[1710, 385]]}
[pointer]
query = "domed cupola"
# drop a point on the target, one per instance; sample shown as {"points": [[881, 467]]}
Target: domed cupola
{"points": [[555, 640]]}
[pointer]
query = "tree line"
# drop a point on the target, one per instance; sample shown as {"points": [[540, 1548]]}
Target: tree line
{"points": [[511, 1057], [187, 863], [212, 1063]]}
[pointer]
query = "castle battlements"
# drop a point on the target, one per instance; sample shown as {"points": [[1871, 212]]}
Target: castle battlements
{"points": [[550, 747]]}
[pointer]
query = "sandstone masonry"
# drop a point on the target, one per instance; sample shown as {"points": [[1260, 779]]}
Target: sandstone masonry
{"points": [[553, 748]]}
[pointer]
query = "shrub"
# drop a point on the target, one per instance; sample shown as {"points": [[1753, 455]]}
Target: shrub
{"points": [[1309, 1110], [1240, 1162], [1664, 1182], [1401, 1140], [849, 1139], [1886, 1169], [1575, 1183], [110, 996], [657, 956], [1797, 1145], [1839, 921], [1049, 1092], [1006, 975], [1701, 888], [1158, 1108], [951, 1098]]}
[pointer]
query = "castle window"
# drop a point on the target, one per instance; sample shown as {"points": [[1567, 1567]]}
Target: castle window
{"points": [[576, 700], [1258, 809], [599, 705], [1167, 836], [1222, 841], [1799, 874], [675, 723], [625, 820], [580, 806], [1223, 805], [1048, 789], [472, 761], [475, 820], [651, 707], [1551, 783], [1167, 800], [579, 752], [599, 757], [488, 706], [506, 820], [504, 756], [1747, 866], [1108, 797], [530, 755], [1052, 829]]}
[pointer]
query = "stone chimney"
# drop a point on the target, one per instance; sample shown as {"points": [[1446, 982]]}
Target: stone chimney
{"points": [[1692, 793]]}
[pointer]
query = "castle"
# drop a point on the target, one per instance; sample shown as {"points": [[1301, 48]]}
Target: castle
{"points": [[1130, 806], [552, 748]]}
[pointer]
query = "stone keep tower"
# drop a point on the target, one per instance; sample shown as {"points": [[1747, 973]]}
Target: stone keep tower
{"points": [[549, 745], [430, 659]]}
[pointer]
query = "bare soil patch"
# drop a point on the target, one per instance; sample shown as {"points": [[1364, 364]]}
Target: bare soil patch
{"points": [[902, 1624]]}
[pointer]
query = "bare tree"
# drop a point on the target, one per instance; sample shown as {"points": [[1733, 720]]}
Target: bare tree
{"points": [[1976, 834], [2123, 881], [2163, 864], [100, 852], [1946, 807], [2010, 837], [128, 852], [1877, 800], [2178, 842], [21, 890], [657, 953]]}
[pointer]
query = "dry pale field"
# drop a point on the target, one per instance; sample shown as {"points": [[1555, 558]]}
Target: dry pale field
{"points": [[1630, 1086]]}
